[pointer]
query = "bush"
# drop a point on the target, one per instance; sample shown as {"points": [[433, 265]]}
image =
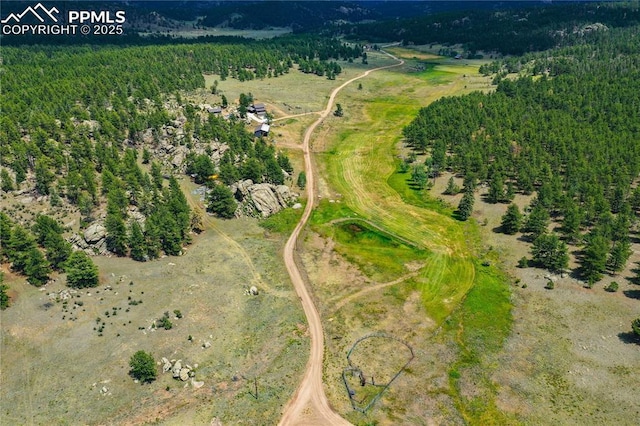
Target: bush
{"points": [[612, 288], [635, 326], [550, 285], [523, 262], [143, 367], [164, 322]]}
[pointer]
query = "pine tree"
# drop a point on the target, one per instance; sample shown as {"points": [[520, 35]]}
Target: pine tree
{"points": [[6, 183], [222, 202], [452, 188], [137, 242], [619, 254], [594, 259], [339, 111], [36, 267], [537, 222], [571, 222], [496, 189], [58, 249], [465, 208], [116, 234], [419, 176], [550, 252], [152, 237], [512, 220], [302, 180], [81, 271]]}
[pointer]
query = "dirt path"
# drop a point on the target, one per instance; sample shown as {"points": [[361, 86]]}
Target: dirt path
{"points": [[309, 405], [209, 223]]}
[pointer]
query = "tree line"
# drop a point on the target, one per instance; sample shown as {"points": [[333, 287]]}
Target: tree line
{"points": [[569, 136], [507, 31]]}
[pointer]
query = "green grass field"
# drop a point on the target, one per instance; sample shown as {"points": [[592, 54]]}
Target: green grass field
{"points": [[359, 160]]}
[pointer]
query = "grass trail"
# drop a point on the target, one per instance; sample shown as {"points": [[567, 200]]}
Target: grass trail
{"points": [[361, 160]]}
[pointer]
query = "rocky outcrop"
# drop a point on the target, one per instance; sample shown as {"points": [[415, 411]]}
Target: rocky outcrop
{"points": [[178, 370], [261, 199], [95, 233], [93, 241]]}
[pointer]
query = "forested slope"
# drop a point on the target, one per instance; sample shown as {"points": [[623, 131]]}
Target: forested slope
{"points": [[507, 31], [86, 129], [567, 129]]}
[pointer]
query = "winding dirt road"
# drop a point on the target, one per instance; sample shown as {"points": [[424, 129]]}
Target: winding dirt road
{"points": [[309, 405]]}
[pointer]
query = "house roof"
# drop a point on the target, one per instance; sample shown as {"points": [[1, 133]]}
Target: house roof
{"points": [[264, 128]]}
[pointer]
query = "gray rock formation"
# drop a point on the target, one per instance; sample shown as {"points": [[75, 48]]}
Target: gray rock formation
{"points": [[261, 199], [177, 367], [95, 233]]}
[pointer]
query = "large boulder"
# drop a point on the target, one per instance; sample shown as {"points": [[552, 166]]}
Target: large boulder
{"points": [[177, 367], [95, 233], [264, 199], [261, 199]]}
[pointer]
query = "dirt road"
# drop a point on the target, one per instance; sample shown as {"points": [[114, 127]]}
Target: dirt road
{"points": [[309, 405]]}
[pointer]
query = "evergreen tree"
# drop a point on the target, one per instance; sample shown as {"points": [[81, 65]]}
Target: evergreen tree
{"points": [[143, 367], [594, 259], [58, 249], [36, 267], [152, 237], [6, 183], [465, 208], [222, 202], [571, 222], [496, 190], [273, 172], [18, 248], [619, 254], [137, 242], [452, 188], [537, 222], [338, 112], [419, 176], [4, 297], [44, 226], [635, 326], [302, 180], [512, 220], [550, 252], [116, 234], [81, 271]]}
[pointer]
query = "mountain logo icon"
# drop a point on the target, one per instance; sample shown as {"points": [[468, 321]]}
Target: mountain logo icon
{"points": [[38, 11]]}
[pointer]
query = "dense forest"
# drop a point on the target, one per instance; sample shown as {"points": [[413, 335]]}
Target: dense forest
{"points": [[566, 129], [86, 126], [507, 31]]}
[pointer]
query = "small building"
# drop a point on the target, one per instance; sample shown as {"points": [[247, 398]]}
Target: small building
{"points": [[258, 109], [214, 110], [262, 130]]}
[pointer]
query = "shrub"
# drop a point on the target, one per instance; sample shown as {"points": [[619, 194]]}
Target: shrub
{"points": [[143, 367], [635, 326], [523, 262], [612, 288], [550, 285]]}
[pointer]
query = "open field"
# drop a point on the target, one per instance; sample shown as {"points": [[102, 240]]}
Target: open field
{"points": [[404, 290], [556, 366], [55, 361]]}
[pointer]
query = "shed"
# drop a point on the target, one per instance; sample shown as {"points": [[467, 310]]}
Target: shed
{"points": [[262, 130]]}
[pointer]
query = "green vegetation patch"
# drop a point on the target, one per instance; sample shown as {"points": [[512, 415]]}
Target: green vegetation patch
{"points": [[400, 183], [379, 255], [282, 222], [479, 327]]}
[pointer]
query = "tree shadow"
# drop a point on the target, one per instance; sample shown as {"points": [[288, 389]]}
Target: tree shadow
{"points": [[633, 294], [629, 337]]}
